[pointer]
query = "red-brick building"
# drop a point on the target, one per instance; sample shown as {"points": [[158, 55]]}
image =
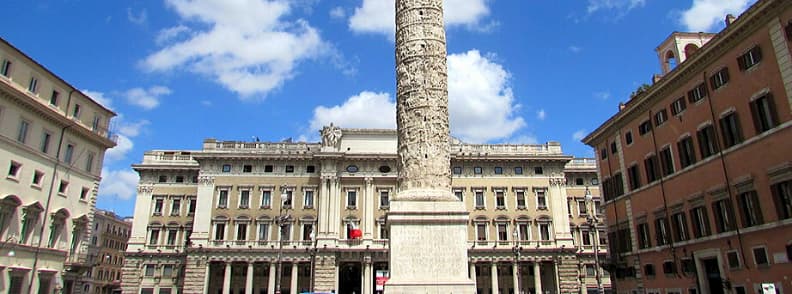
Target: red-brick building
{"points": [[696, 169]]}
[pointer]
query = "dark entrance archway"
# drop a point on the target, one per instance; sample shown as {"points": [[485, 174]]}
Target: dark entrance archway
{"points": [[349, 278], [713, 275]]}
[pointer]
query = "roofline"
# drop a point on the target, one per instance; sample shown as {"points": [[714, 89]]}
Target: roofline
{"points": [[4, 41]]}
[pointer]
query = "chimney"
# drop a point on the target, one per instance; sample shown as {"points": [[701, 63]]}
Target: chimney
{"points": [[730, 19]]}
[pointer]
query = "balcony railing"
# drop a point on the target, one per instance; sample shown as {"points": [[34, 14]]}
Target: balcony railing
{"points": [[507, 244], [550, 148]]}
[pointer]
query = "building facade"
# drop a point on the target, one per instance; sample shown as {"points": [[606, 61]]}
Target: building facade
{"points": [[696, 169], [108, 242], [52, 143], [212, 220]]}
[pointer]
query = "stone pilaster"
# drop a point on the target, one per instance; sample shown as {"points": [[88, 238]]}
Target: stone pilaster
{"points": [[130, 275], [195, 271], [325, 273], [568, 274], [781, 50]]}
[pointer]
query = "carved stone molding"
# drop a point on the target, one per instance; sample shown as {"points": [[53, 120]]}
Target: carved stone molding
{"points": [[146, 189], [206, 180]]}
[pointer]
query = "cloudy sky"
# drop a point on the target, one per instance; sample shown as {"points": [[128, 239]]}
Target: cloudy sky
{"points": [[180, 71]]}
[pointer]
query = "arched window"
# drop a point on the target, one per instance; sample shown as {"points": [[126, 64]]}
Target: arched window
{"points": [[670, 60], [690, 49], [56, 229], [30, 218]]}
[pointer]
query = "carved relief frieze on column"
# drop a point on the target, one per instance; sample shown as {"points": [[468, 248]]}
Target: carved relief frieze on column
{"points": [[206, 180], [145, 189]]}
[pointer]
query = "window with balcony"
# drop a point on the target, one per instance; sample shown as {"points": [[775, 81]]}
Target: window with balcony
{"points": [[266, 199], [764, 113], [503, 231], [782, 196], [285, 232], [479, 195], [581, 207], [720, 78], [700, 222], [149, 272], [523, 229], [707, 142], [750, 58], [585, 237], [544, 231], [520, 194], [724, 215], [678, 106], [730, 130], [698, 93], [750, 210], [307, 231], [222, 199]]}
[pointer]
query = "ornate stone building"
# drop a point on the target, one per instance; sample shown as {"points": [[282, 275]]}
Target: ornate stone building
{"points": [[108, 242], [210, 220], [52, 142]]}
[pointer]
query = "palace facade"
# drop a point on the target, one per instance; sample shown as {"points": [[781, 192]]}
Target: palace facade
{"points": [[257, 217], [696, 168]]}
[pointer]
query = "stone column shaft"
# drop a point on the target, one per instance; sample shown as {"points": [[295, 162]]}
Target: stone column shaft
{"points": [[227, 279], [494, 278], [516, 277], [472, 272], [294, 273], [206, 278], [368, 279], [271, 281], [369, 205], [538, 277], [249, 280]]}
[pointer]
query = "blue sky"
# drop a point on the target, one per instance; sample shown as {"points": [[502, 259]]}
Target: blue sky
{"points": [[180, 71]]}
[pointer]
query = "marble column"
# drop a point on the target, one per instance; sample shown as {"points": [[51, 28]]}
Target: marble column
{"points": [[472, 271], [337, 276], [538, 277], [557, 278], [494, 278], [370, 204], [368, 278], [271, 282], [294, 272], [227, 279], [249, 280], [516, 277], [207, 277]]}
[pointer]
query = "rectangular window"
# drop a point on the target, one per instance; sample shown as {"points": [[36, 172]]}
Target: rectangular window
{"points": [[643, 236], [750, 210], [603, 153], [76, 111], [244, 199], [538, 170], [724, 215], [585, 237], [733, 259], [289, 169], [351, 199], [697, 93], [33, 86], [479, 198], [518, 170], [498, 170], [628, 138], [13, 169], [644, 127], [222, 199], [634, 177], [158, 204], [149, 272], [241, 233], [191, 206], [520, 194], [384, 199], [54, 98], [661, 117], [457, 170], [661, 231], [503, 232], [180, 179], [687, 153], [96, 122], [247, 168], [310, 169], [500, 199], [680, 227], [154, 237], [172, 237], [581, 206], [175, 207], [308, 199], [522, 229], [720, 78], [544, 231], [219, 231], [481, 232], [666, 161], [750, 58], [45, 142], [84, 193], [700, 220], [730, 129], [307, 232], [707, 142], [24, 126], [5, 70], [678, 106], [652, 169], [226, 168], [764, 113], [63, 187], [541, 200], [782, 195], [67, 156], [477, 170], [263, 229], [167, 272], [613, 147], [287, 202], [89, 162], [459, 194], [266, 198], [37, 177], [760, 256]]}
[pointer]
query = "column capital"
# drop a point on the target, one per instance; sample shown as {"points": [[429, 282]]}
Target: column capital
{"points": [[145, 189], [558, 181], [206, 180], [369, 181]]}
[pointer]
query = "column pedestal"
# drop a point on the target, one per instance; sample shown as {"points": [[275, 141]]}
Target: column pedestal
{"points": [[428, 233]]}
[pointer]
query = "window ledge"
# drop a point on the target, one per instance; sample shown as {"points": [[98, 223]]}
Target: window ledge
{"points": [[308, 207], [351, 207], [265, 207], [480, 207], [12, 178], [35, 187], [500, 208], [243, 207]]}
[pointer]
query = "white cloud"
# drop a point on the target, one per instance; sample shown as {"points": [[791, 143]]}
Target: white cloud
{"points": [[541, 114], [119, 183], [620, 5], [119, 152], [99, 97], [147, 99], [378, 16], [138, 19], [337, 13], [365, 110], [523, 139], [579, 135], [704, 15], [246, 46], [604, 95], [575, 49], [481, 103], [132, 129], [169, 34]]}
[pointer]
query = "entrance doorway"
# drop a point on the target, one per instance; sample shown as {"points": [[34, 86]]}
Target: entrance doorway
{"points": [[350, 278], [712, 275]]}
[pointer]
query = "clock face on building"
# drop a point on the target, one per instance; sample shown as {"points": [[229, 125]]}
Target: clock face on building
{"points": [[352, 168]]}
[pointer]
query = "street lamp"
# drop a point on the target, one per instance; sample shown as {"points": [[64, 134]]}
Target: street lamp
{"points": [[591, 218], [312, 252], [516, 249], [281, 221]]}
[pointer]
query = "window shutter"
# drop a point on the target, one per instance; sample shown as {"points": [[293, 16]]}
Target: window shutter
{"points": [[757, 51], [773, 113], [755, 117], [741, 62]]}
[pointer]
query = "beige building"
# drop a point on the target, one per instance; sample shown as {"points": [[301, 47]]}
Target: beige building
{"points": [[207, 221], [52, 142], [108, 241]]}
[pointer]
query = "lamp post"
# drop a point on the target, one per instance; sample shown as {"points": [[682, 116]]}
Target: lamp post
{"points": [[591, 218], [281, 222], [517, 250], [312, 252]]}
